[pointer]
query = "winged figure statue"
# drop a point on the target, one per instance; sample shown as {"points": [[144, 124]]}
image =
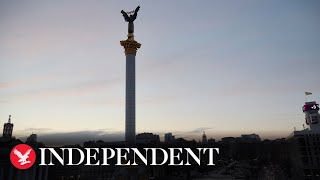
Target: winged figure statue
{"points": [[130, 18]]}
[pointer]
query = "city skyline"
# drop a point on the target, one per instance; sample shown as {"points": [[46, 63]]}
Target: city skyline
{"points": [[226, 68]]}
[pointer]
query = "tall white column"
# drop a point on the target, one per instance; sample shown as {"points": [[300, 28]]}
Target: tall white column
{"points": [[130, 135], [131, 46]]}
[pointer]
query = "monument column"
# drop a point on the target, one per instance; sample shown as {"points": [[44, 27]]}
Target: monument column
{"points": [[131, 46]]}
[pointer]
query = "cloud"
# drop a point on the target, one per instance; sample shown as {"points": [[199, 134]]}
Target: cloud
{"points": [[200, 129], [27, 81], [4, 84], [78, 137], [50, 138], [35, 130], [76, 90], [108, 135], [104, 129], [3, 101]]}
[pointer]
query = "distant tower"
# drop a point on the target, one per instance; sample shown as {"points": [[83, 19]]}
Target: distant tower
{"points": [[311, 110], [7, 129], [204, 138]]}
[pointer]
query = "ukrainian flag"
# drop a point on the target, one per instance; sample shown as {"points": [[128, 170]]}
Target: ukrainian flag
{"points": [[308, 93]]}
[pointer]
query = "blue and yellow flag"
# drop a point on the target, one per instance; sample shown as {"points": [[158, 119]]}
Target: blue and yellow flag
{"points": [[308, 93]]}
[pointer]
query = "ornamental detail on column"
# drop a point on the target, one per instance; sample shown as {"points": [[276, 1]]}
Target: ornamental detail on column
{"points": [[130, 45]]}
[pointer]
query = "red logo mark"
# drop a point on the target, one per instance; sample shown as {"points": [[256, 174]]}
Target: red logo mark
{"points": [[22, 156]]}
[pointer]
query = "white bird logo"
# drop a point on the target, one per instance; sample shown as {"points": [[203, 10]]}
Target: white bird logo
{"points": [[22, 158]]}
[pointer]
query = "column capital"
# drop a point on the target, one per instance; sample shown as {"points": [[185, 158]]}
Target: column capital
{"points": [[130, 45]]}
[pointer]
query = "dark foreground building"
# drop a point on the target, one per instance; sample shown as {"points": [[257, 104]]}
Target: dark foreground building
{"points": [[304, 146]]}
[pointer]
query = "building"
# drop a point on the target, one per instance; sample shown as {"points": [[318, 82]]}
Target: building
{"points": [[32, 138], [169, 138], [7, 129], [228, 140], [146, 137], [312, 117], [9, 172], [304, 145], [32, 141], [204, 138], [211, 141], [250, 138]]}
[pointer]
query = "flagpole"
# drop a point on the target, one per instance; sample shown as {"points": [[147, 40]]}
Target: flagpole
{"points": [[306, 97], [306, 94]]}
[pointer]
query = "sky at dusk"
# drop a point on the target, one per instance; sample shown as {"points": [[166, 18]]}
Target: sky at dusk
{"points": [[226, 67]]}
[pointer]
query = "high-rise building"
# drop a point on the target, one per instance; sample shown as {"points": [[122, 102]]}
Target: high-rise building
{"points": [[7, 129], [204, 138], [304, 145]]}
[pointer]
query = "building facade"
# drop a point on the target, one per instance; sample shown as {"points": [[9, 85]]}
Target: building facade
{"points": [[7, 129], [304, 145]]}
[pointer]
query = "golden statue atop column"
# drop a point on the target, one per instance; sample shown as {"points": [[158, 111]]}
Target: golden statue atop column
{"points": [[130, 45]]}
